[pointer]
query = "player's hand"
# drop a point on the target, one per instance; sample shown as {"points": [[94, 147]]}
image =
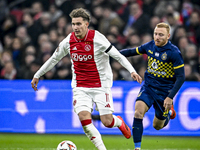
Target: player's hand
{"points": [[34, 83], [136, 77], [167, 103]]}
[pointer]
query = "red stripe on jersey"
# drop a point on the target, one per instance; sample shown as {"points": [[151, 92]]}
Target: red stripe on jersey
{"points": [[82, 54]]}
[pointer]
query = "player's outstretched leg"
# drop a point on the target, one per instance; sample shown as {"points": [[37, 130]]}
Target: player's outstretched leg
{"points": [[124, 129]]}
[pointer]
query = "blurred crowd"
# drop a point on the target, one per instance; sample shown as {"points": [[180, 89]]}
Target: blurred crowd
{"points": [[30, 31]]}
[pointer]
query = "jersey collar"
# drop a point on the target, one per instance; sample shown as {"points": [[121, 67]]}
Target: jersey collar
{"points": [[80, 40], [165, 47]]}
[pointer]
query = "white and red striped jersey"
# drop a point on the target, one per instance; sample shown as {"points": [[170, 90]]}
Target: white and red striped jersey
{"points": [[90, 60]]}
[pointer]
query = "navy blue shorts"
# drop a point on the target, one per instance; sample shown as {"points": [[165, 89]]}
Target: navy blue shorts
{"points": [[154, 97]]}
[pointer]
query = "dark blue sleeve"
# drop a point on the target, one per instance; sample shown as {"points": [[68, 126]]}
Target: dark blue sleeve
{"points": [[136, 51], [176, 58], [180, 78], [129, 52]]}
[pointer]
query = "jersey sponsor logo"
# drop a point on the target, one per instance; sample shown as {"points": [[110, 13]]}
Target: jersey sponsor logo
{"points": [[150, 51], [164, 56], [154, 65], [156, 72], [77, 57], [160, 68], [87, 47]]}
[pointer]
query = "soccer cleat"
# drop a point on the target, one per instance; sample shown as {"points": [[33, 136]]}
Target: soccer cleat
{"points": [[124, 128], [137, 148], [173, 112]]}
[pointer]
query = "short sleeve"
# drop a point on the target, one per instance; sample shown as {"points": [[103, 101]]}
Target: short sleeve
{"points": [[101, 42]]}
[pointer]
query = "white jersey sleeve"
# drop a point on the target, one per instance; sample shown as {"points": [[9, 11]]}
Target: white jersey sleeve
{"points": [[61, 51], [102, 43], [114, 53]]}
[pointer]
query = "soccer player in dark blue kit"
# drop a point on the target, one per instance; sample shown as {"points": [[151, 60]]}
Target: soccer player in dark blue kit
{"points": [[162, 80]]}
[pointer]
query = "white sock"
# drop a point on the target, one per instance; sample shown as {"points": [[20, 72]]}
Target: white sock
{"points": [[95, 137], [101, 147], [117, 121]]}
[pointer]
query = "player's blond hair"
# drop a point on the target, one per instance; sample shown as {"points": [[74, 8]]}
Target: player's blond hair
{"points": [[80, 12], [163, 25]]}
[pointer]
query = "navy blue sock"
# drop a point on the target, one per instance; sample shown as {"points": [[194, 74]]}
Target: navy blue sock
{"points": [[167, 120], [137, 131]]}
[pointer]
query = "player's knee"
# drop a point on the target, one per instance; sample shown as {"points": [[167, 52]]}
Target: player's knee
{"points": [[156, 126], [138, 114], [83, 115]]}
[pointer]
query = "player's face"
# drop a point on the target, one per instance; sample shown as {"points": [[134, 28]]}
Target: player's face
{"points": [[161, 36], [79, 27]]}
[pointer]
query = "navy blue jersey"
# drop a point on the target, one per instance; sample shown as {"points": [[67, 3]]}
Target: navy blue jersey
{"points": [[162, 61], [165, 66]]}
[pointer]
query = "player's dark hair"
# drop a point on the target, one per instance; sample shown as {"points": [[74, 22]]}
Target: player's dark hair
{"points": [[80, 12]]}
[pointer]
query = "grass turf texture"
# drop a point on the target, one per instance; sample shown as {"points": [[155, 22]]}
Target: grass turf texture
{"points": [[115, 142]]}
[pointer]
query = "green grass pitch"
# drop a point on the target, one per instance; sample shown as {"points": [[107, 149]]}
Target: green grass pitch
{"points": [[13, 141]]}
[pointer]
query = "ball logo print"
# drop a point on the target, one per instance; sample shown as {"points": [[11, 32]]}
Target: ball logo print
{"points": [[66, 145]]}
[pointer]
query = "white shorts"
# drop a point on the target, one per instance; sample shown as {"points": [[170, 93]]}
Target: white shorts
{"points": [[85, 98]]}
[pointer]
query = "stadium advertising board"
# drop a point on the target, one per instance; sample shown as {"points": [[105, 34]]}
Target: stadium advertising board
{"points": [[50, 110]]}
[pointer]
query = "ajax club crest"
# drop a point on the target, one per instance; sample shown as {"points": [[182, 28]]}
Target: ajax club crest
{"points": [[87, 47]]}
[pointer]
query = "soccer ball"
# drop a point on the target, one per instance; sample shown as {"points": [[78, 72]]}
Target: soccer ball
{"points": [[66, 145]]}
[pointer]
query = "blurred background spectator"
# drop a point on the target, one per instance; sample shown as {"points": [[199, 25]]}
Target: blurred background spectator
{"points": [[8, 71], [30, 31]]}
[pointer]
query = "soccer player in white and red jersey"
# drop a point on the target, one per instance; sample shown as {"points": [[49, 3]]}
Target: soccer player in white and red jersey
{"points": [[92, 76]]}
